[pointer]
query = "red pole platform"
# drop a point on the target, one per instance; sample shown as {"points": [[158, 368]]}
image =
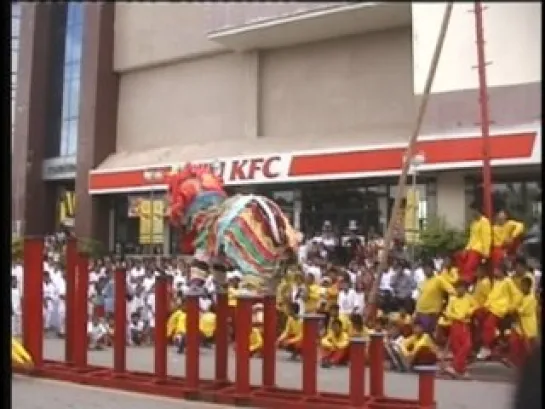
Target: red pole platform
{"points": [[311, 330], [357, 371], [376, 365], [81, 313], [269, 341], [483, 111], [192, 342], [243, 324], [33, 303], [426, 386], [160, 347], [221, 337], [71, 262], [120, 319]]}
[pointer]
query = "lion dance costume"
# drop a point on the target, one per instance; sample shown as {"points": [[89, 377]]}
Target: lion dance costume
{"points": [[248, 232], [19, 356]]}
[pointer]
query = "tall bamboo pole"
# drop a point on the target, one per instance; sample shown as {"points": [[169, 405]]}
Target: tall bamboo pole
{"points": [[409, 154], [483, 111]]}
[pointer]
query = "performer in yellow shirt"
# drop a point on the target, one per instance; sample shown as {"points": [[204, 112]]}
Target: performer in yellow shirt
{"points": [[521, 270], [334, 316], [176, 328], [207, 327], [507, 237], [449, 271], [525, 333], [418, 349], [458, 312], [312, 294], [335, 345], [292, 336], [502, 299], [430, 300], [478, 246], [256, 337]]}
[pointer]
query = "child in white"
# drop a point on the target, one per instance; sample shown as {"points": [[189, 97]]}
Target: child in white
{"points": [[16, 310], [97, 332], [346, 299], [49, 301]]}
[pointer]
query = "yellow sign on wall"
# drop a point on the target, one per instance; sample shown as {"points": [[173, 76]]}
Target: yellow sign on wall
{"points": [[151, 221], [412, 224]]}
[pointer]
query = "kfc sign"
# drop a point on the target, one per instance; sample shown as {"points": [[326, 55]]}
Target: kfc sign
{"points": [[251, 170]]}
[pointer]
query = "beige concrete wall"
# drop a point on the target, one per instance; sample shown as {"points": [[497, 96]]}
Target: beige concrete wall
{"points": [[201, 100], [155, 33], [451, 198], [351, 90]]}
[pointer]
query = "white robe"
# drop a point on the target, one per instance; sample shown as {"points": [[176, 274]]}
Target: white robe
{"points": [[346, 301], [50, 300], [16, 323]]}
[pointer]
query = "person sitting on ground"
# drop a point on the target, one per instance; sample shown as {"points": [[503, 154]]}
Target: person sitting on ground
{"points": [[97, 334], [418, 349], [291, 338], [334, 316], [256, 336], [335, 345], [357, 327], [176, 327], [458, 313], [136, 329], [207, 327]]}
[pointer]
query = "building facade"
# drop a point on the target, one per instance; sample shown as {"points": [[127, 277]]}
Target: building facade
{"points": [[309, 103]]}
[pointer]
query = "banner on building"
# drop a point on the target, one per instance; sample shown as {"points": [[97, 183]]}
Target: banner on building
{"points": [[135, 200], [151, 220], [67, 208], [412, 216]]}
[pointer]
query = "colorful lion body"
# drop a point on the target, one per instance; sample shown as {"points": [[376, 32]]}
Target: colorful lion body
{"points": [[248, 231]]}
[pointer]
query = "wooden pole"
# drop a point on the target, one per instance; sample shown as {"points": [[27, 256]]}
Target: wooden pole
{"points": [[483, 111], [409, 154]]}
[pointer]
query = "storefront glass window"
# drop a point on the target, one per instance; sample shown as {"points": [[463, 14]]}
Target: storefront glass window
{"points": [[521, 198]]}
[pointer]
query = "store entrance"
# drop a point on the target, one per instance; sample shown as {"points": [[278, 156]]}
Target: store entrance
{"points": [[340, 208]]}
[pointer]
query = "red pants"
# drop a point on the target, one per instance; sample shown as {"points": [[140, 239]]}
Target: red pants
{"points": [[519, 348], [488, 329], [424, 356], [497, 256], [460, 345], [336, 356], [467, 262]]}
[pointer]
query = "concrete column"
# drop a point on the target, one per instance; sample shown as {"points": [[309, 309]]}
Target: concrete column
{"points": [[252, 95], [451, 203], [98, 116]]}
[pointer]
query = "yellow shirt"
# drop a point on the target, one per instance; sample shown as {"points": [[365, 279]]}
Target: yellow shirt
{"points": [[460, 308], [256, 339], [293, 329], [232, 294], [503, 298], [480, 236], [481, 290], [511, 229], [450, 275], [527, 312], [207, 324], [332, 341], [331, 294], [430, 300], [313, 300], [411, 345], [346, 325], [176, 323], [283, 293]]}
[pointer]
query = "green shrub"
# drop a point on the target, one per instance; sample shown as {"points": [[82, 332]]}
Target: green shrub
{"points": [[91, 247], [438, 237]]}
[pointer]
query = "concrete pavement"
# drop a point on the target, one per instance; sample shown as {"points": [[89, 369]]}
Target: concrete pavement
{"points": [[449, 394]]}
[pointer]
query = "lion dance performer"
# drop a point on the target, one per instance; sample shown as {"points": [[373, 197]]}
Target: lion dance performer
{"points": [[19, 356], [249, 232]]}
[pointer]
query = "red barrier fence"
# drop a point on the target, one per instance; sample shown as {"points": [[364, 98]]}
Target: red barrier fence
{"points": [[220, 389]]}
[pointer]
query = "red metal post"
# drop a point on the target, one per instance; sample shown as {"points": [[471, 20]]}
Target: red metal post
{"points": [[311, 324], [81, 313], [160, 325], [376, 365], [357, 371], [483, 110], [120, 317], [33, 302], [192, 341], [221, 337], [71, 262], [426, 386], [243, 324], [269, 341]]}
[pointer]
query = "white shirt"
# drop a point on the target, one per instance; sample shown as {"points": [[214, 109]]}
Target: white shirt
{"points": [[137, 272], [17, 271], [49, 291], [16, 300], [386, 279], [347, 301], [359, 301], [418, 277], [148, 283], [315, 271]]}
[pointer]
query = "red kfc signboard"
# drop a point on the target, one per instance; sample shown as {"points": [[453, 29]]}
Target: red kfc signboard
{"points": [[246, 170]]}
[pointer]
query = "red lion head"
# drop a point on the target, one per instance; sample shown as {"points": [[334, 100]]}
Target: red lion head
{"points": [[186, 184]]}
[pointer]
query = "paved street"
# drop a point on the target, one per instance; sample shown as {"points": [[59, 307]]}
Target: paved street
{"points": [[450, 394]]}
